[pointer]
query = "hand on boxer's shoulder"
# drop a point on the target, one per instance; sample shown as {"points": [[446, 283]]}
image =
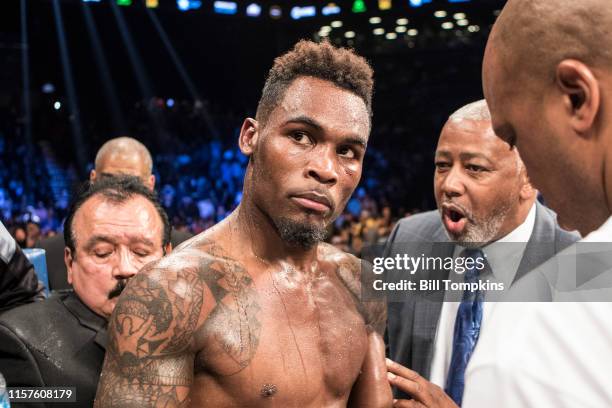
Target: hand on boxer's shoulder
{"points": [[423, 392]]}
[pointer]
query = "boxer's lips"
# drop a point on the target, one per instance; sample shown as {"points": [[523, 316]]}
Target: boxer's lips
{"points": [[313, 202], [454, 219]]}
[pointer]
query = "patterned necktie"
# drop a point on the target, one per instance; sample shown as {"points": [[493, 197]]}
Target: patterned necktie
{"points": [[467, 329]]}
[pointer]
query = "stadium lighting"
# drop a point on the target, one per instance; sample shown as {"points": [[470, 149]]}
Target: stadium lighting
{"points": [[48, 88], [413, 32], [185, 5], [349, 34], [459, 16], [57, 105], [400, 29], [375, 20], [384, 4], [447, 25], [359, 6], [225, 7], [298, 12], [440, 14], [418, 3], [330, 9], [170, 102], [336, 24], [253, 10], [276, 12], [473, 29], [378, 31], [402, 21], [391, 36], [462, 23], [152, 3]]}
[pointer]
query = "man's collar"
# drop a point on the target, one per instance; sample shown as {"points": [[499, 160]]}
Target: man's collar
{"points": [[87, 317]]}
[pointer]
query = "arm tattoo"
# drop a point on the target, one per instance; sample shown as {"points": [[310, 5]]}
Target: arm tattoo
{"points": [[373, 312], [150, 358]]}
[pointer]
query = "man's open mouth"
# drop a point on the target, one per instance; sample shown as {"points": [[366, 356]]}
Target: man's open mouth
{"points": [[454, 219]]}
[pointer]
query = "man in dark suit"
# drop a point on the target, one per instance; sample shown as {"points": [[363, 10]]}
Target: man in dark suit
{"points": [[18, 281], [485, 203], [122, 155], [114, 227]]}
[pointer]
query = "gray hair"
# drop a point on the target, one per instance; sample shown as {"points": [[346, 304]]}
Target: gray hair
{"points": [[478, 110]]}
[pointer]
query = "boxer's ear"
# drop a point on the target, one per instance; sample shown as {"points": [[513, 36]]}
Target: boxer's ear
{"points": [[581, 94], [92, 175], [249, 135]]}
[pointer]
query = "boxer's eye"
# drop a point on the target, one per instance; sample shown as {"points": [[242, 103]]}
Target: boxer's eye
{"points": [[347, 152], [300, 137]]}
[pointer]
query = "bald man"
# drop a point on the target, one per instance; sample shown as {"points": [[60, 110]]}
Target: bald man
{"points": [[547, 76], [124, 155], [121, 155], [485, 203]]}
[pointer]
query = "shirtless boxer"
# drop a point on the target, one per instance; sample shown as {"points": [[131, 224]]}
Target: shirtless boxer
{"points": [[257, 311]]}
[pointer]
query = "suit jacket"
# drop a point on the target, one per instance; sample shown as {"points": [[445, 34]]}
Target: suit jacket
{"points": [[56, 342], [412, 325], [56, 268], [18, 281]]}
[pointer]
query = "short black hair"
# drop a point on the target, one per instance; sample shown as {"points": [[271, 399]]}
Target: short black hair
{"points": [[116, 189], [341, 66]]}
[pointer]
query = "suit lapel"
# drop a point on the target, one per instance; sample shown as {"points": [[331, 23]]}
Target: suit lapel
{"points": [[87, 318], [427, 310], [541, 244]]}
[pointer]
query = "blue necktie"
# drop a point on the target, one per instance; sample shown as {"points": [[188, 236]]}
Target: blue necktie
{"points": [[467, 329]]}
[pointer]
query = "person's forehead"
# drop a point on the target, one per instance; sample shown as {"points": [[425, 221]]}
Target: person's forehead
{"points": [[328, 104], [124, 163], [135, 218], [464, 136]]}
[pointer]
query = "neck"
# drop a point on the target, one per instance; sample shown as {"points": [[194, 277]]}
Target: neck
{"points": [[259, 236]]}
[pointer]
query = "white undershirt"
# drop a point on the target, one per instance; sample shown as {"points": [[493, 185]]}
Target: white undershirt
{"points": [[504, 261]]}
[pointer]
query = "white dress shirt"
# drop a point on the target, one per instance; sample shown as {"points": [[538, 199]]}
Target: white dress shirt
{"points": [[547, 354], [504, 261]]}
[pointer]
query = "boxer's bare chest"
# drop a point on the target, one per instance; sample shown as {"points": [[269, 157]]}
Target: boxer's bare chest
{"points": [[281, 332]]}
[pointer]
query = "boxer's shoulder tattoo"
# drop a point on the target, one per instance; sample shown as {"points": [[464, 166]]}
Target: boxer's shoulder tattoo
{"points": [[150, 356], [235, 315], [349, 269]]}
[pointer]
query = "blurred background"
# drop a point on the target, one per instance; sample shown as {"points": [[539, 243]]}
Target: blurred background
{"points": [[181, 75]]}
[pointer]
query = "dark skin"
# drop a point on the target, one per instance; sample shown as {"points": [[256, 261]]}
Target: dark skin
{"points": [[424, 394], [243, 316]]}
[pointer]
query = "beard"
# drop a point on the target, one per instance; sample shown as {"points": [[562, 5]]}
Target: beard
{"points": [[479, 232], [300, 234]]}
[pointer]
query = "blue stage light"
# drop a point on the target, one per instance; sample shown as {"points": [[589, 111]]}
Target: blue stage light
{"points": [[300, 12], [330, 9], [418, 3], [225, 7], [185, 5], [253, 10]]}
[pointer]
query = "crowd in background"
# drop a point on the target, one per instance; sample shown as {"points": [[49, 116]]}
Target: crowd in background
{"points": [[199, 182]]}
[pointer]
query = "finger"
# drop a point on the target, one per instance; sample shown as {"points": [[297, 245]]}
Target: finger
{"points": [[407, 404], [415, 389], [398, 369]]}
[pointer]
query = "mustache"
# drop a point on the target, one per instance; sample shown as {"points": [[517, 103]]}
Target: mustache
{"points": [[121, 284]]}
